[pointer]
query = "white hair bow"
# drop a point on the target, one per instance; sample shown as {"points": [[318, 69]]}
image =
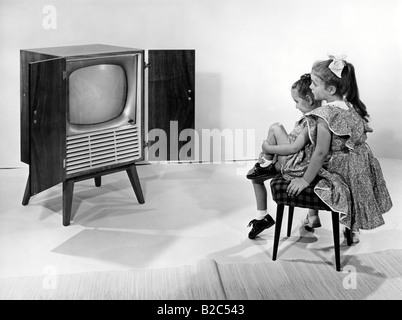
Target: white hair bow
{"points": [[337, 64]]}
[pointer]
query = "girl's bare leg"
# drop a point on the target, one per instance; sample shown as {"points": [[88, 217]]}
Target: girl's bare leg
{"points": [[276, 135], [311, 221], [260, 192]]}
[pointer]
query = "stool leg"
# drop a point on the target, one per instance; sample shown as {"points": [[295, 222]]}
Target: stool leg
{"points": [[348, 233], [290, 219], [335, 227], [278, 224]]}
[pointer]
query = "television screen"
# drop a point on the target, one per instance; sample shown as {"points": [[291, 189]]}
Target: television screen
{"points": [[97, 94]]}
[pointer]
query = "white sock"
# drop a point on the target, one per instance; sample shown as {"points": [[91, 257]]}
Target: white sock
{"points": [[261, 214], [266, 163]]}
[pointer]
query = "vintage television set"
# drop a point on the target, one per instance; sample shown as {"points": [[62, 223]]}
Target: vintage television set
{"points": [[82, 115]]}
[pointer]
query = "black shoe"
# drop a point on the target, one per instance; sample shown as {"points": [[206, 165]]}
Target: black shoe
{"points": [[260, 225], [258, 172]]}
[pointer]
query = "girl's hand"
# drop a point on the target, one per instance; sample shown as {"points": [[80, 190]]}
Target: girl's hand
{"points": [[296, 186], [260, 160]]}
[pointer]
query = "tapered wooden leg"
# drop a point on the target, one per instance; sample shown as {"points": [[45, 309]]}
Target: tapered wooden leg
{"points": [[135, 182], [98, 181], [278, 225], [290, 219], [27, 192], [68, 188], [335, 227]]}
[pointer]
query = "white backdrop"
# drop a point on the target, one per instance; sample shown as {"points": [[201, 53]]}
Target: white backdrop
{"points": [[248, 53]]}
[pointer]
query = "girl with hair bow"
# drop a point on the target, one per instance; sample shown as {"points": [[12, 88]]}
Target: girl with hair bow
{"points": [[351, 181]]}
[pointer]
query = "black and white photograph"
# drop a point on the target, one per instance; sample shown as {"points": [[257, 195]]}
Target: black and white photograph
{"points": [[201, 154]]}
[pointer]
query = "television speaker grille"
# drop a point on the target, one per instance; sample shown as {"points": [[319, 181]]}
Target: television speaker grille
{"points": [[102, 148]]}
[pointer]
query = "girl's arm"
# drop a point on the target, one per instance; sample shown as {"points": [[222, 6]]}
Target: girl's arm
{"points": [[287, 148], [324, 135]]}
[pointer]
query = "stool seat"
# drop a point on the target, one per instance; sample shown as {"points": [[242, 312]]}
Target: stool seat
{"points": [[306, 199]]}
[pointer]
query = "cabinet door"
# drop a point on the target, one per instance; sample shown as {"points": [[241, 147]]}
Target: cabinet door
{"points": [[171, 105], [47, 108]]}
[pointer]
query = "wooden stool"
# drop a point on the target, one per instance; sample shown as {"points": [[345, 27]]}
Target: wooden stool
{"points": [[306, 199]]}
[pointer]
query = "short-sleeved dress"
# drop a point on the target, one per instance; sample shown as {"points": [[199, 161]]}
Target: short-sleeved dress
{"points": [[353, 183], [295, 165]]}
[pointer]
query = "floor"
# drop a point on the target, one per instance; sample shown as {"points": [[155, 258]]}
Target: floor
{"points": [[192, 212]]}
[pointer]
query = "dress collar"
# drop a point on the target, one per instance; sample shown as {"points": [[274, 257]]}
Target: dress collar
{"points": [[339, 103]]}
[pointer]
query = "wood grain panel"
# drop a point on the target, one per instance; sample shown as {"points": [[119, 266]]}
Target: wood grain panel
{"points": [[171, 85], [47, 124], [26, 57]]}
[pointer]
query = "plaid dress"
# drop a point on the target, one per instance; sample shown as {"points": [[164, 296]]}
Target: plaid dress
{"points": [[352, 181]]}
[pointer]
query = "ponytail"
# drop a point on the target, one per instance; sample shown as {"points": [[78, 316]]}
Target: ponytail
{"points": [[352, 92]]}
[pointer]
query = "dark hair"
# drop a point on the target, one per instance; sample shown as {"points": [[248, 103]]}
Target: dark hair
{"points": [[303, 87], [345, 86]]}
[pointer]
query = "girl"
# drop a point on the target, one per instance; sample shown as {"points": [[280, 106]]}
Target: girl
{"points": [[342, 157], [283, 152]]}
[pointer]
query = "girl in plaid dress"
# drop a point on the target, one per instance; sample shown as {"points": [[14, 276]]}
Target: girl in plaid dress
{"points": [[342, 158]]}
